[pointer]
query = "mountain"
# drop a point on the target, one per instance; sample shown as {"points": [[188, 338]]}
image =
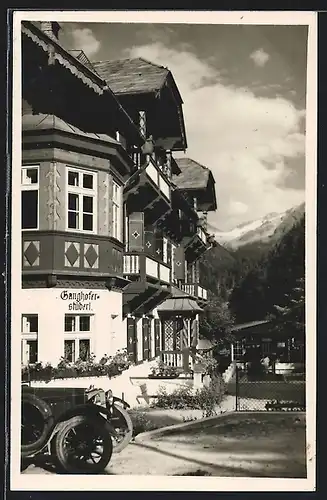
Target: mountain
{"points": [[265, 231], [244, 249]]}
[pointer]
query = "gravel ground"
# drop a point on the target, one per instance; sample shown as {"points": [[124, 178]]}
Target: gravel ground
{"points": [[237, 445]]}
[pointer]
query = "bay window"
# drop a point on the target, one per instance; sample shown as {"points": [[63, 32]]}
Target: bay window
{"points": [[116, 211]]}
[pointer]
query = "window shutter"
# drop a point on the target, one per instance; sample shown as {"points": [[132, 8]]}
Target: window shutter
{"points": [[169, 253], [179, 263], [195, 332], [136, 232], [156, 337], [132, 339], [159, 245], [145, 335], [149, 241]]}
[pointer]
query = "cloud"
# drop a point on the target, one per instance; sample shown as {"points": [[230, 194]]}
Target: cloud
{"points": [[84, 39], [244, 139], [237, 207], [260, 57]]}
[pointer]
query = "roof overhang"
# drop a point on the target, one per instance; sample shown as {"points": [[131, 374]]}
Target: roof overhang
{"points": [[58, 55], [179, 305]]}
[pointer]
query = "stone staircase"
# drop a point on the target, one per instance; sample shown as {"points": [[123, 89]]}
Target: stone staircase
{"points": [[229, 372]]}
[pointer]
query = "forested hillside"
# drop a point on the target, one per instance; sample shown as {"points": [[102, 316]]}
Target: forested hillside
{"points": [[272, 279], [256, 277]]}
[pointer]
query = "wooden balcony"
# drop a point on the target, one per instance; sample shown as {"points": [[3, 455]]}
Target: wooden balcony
{"points": [[149, 283], [196, 245], [148, 191], [146, 267], [196, 291]]}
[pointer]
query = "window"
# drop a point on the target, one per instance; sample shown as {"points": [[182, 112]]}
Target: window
{"points": [[29, 331], [77, 343], [81, 200], [116, 211], [238, 350], [30, 197]]}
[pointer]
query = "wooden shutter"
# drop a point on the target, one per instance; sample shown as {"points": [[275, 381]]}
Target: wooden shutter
{"points": [[145, 338], [156, 337], [169, 253], [149, 241], [194, 332], [159, 245], [179, 263], [132, 339], [196, 271], [136, 232]]}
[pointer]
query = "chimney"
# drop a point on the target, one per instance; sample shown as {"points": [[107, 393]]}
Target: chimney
{"points": [[51, 28]]}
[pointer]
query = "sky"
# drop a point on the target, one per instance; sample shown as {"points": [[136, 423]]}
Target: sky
{"points": [[244, 90]]}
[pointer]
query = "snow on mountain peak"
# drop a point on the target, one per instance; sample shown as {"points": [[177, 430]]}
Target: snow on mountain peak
{"points": [[262, 229]]}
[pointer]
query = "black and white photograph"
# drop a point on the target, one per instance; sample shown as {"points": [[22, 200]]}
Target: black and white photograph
{"points": [[163, 250]]}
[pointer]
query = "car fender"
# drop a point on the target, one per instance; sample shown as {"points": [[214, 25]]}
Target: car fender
{"points": [[121, 401], [91, 410]]}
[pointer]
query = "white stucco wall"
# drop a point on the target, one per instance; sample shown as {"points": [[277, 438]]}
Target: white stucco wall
{"points": [[108, 329]]}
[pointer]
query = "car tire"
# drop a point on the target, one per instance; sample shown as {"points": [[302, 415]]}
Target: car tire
{"points": [[37, 422], [71, 433], [123, 425]]}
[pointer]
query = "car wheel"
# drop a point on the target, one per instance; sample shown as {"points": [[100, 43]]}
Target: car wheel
{"points": [[83, 445], [36, 423], [122, 423]]}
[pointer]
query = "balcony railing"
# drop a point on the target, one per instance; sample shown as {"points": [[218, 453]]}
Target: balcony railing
{"points": [[131, 264], [172, 358], [195, 290], [142, 264], [155, 174]]}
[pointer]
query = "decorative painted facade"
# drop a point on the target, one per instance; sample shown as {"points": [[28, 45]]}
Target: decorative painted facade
{"points": [[112, 224]]}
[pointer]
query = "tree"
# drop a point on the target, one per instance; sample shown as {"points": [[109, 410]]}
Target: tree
{"points": [[248, 300], [290, 317], [216, 321], [272, 280]]}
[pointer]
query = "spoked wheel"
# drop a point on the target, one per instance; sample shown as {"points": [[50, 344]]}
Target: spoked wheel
{"points": [[122, 423], [83, 445]]}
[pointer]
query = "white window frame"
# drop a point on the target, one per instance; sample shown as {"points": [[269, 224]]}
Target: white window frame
{"points": [[117, 204], [28, 186], [28, 336], [81, 191], [77, 335]]}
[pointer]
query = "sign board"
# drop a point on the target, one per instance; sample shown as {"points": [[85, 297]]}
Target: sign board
{"points": [[79, 300]]}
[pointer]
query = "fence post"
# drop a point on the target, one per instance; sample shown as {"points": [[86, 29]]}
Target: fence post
{"points": [[236, 388]]}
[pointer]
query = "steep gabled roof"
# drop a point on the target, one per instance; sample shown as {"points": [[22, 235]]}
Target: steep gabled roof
{"points": [[132, 76], [193, 175]]}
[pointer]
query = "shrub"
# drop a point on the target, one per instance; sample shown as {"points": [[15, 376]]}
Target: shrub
{"points": [[163, 370], [141, 422], [205, 399], [108, 365]]}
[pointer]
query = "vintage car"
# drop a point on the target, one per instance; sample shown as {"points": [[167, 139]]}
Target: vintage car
{"points": [[78, 428]]}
